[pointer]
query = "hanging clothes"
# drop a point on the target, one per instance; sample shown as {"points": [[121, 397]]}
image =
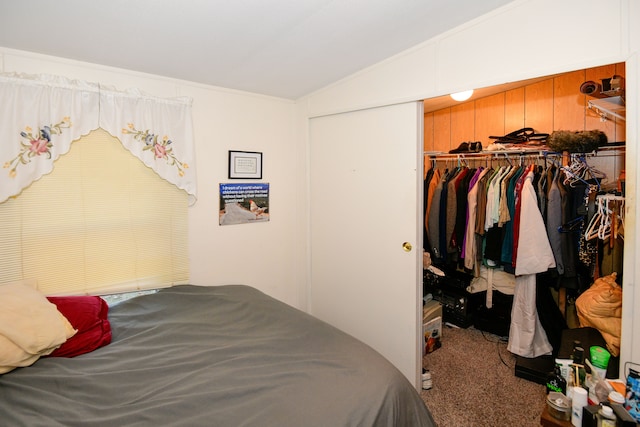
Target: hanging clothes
{"points": [[434, 218], [507, 244], [478, 227], [470, 245], [527, 337], [554, 217], [461, 215], [454, 186], [494, 232], [427, 194]]}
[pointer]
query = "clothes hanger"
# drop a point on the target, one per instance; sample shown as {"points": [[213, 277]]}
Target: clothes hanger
{"points": [[592, 171], [573, 225], [613, 206], [462, 161], [580, 171], [506, 157], [604, 230], [615, 211], [571, 178], [594, 225], [620, 228]]}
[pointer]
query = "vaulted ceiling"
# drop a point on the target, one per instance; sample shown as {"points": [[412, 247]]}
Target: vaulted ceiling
{"points": [[283, 48]]}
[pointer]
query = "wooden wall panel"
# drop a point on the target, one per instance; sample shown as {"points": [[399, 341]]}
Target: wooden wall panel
{"points": [[462, 123], [428, 132], [513, 111], [568, 103], [428, 140], [489, 118], [538, 106], [442, 130]]}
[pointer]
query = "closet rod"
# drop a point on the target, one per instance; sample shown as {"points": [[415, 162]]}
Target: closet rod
{"points": [[494, 154], [501, 154]]}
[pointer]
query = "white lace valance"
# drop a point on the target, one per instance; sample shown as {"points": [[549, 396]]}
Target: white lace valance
{"points": [[41, 116]]}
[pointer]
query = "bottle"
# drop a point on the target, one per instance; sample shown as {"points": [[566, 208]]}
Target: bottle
{"points": [[577, 354], [606, 417], [578, 402], [556, 382]]}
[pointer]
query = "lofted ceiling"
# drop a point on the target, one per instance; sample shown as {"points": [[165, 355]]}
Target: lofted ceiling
{"points": [[282, 48]]}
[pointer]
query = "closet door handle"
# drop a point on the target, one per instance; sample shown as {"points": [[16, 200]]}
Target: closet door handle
{"points": [[406, 246]]}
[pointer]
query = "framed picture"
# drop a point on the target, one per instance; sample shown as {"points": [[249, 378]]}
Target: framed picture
{"points": [[245, 165], [244, 203]]}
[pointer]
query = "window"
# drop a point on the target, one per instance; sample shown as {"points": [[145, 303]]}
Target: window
{"points": [[101, 222]]}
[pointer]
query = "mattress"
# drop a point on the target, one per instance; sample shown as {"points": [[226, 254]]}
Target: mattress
{"points": [[214, 356]]}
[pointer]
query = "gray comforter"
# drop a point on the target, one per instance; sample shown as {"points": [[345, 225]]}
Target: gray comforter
{"points": [[214, 356]]}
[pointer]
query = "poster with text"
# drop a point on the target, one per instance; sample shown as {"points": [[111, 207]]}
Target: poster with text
{"points": [[244, 203]]}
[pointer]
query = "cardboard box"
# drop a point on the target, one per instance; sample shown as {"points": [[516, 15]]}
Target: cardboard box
{"points": [[432, 325], [432, 335]]}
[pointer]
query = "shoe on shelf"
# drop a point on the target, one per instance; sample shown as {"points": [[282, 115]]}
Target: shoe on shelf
{"points": [[475, 147], [462, 148]]}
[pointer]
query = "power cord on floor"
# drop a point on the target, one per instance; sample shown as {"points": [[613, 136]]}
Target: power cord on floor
{"points": [[498, 341], [500, 355]]}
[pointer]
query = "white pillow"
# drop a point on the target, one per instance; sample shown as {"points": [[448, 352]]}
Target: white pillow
{"points": [[12, 356], [30, 326]]}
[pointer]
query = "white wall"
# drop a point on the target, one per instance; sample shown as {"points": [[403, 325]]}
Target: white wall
{"points": [[269, 256], [524, 39]]}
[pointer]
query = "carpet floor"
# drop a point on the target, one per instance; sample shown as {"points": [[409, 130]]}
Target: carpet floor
{"points": [[474, 384]]}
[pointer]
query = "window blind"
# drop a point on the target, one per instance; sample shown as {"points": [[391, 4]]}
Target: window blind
{"points": [[101, 222]]}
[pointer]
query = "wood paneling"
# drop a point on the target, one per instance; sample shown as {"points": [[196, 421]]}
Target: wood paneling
{"points": [[546, 105], [428, 139], [428, 132], [513, 110], [462, 124], [442, 130], [538, 106], [489, 119], [568, 103]]}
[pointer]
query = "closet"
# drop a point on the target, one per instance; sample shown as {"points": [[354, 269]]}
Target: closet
{"points": [[592, 230]]}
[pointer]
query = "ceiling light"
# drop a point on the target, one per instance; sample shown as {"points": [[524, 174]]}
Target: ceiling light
{"points": [[462, 96]]}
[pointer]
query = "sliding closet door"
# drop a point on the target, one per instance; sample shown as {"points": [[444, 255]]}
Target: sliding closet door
{"points": [[365, 180]]}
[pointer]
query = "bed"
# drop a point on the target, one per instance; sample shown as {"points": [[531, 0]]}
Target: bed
{"points": [[214, 356]]}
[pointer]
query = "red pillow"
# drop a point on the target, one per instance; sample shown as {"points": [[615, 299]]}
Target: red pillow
{"points": [[87, 314]]}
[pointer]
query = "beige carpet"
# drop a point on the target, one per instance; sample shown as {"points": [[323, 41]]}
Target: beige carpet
{"points": [[474, 384]]}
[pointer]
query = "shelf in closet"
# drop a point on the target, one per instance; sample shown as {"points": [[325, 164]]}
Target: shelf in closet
{"points": [[540, 151], [611, 106]]}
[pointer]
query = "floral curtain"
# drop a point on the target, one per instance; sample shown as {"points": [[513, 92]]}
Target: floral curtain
{"points": [[40, 117]]}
